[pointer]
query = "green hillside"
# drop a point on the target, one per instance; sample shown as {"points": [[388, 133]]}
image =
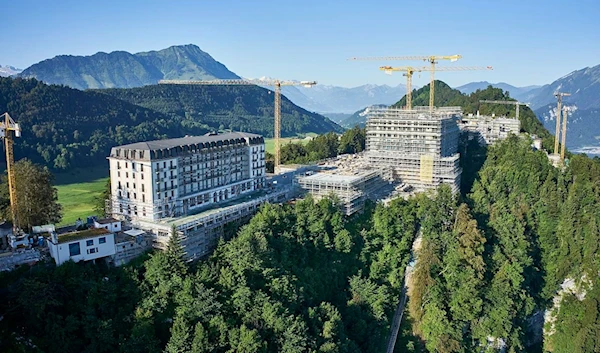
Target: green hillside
{"points": [[445, 96], [240, 108]]}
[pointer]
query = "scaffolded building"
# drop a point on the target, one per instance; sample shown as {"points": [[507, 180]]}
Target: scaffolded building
{"points": [[351, 190], [489, 129], [421, 146]]}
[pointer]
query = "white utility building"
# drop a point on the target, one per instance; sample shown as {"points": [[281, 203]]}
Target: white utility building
{"points": [[85, 245], [176, 177]]}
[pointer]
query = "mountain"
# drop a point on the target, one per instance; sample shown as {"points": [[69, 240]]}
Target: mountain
{"points": [[121, 69], [582, 127], [65, 128], [6, 71], [240, 108], [584, 86], [359, 118], [515, 92], [333, 99]]}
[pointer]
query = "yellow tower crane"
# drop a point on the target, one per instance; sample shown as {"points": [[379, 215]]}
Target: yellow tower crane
{"points": [[7, 127], [515, 103], [432, 59], [410, 70], [559, 96], [273, 83]]}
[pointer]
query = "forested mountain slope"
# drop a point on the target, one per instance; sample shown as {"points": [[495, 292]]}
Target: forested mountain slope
{"points": [[65, 128], [122, 69], [241, 108]]}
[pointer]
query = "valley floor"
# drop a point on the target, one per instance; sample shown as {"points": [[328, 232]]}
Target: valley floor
{"points": [[77, 191]]}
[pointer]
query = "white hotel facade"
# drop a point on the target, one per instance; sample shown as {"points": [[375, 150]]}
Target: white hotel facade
{"points": [[172, 178]]}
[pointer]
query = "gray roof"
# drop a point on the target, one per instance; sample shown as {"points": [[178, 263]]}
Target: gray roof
{"points": [[169, 148], [187, 140]]}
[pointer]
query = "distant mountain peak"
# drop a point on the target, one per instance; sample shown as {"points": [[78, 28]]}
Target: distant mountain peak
{"points": [[8, 70], [121, 69]]}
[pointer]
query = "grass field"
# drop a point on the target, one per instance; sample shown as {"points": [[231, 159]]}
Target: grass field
{"points": [[270, 143], [77, 191]]}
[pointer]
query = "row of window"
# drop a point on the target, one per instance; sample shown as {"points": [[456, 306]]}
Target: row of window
{"points": [[75, 249], [127, 165]]}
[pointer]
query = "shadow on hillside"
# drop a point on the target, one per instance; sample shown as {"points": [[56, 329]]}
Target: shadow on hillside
{"points": [[81, 175]]}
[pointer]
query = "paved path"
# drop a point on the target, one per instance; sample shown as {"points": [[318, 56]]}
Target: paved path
{"points": [[397, 321]]}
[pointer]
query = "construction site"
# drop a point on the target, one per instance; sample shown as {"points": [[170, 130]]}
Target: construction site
{"points": [[419, 145], [197, 186], [348, 178]]}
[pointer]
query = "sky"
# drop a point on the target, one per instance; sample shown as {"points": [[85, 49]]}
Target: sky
{"points": [[527, 42]]}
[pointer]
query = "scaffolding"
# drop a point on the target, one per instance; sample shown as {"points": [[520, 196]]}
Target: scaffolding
{"points": [[351, 190], [488, 130], [419, 145], [200, 232]]}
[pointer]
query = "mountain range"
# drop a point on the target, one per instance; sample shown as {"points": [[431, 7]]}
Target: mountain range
{"points": [[124, 70], [8, 70], [120, 69], [519, 93]]}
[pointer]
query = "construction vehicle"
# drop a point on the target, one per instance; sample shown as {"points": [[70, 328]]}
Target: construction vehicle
{"points": [[517, 104], [7, 127], [409, 71], [432, 59], [559, 96], [272, 83]]}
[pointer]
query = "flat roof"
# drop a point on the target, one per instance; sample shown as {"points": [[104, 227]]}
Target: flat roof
{"points": [[107, 220], [334, 178], [82, 234], [187, 140]]}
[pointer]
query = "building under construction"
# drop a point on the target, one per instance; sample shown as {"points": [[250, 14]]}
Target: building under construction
{"points": [[489, 129], [419, 145], [352, 189]]}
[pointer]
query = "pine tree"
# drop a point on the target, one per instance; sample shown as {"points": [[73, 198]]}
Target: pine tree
{"points": [[175, 253]]}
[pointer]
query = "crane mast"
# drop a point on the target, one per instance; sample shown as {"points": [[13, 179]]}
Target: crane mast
{"points": [[7, 126], [409, 70], [244, 82], [559, 96], [432, 59]]}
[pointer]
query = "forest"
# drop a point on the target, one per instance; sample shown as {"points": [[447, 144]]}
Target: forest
{"points": [[65, 128], [301, 277]]}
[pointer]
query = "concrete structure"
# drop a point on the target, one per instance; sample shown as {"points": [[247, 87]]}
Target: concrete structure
{"points": [[420, 146], [351, 189], [197, 184], [489, 129], [200, 232], [84, 245], [110, 224], [177, 177], [130, 244]]}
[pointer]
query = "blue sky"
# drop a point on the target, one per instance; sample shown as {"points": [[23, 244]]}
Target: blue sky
{"points": [[527, 42]]}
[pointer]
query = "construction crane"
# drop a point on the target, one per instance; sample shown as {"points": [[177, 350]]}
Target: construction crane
{"points": [[243, 82], [409, 71], [432, 59], [7, 127], [517, 104], [564, 135], [559, 96]]}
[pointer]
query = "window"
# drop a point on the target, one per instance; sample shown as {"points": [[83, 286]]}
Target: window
{"points": [[142, 176], [143, 198], [126, 174], [92, 251], [74, 249], [126, 164], [141, 165], [119, 174], [89, 242], [143, 187]]}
